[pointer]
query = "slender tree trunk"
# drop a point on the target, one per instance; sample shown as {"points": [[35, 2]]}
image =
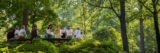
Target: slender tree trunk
{"points": [[25, 17], [84, 25], [142, 49], [123, 26], [156, 25], [142, 44], [91, 23], [157, 30]]}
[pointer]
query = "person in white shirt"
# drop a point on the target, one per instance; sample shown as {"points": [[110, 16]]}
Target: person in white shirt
{"points": [[22, 32], [69, 32], [63, 31], [49, 32], [77, 33], [16, 33]]}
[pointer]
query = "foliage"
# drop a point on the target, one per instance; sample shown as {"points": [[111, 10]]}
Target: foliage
{"points": [[100, 22], [89, 46], [36, 45], [73, 46]]}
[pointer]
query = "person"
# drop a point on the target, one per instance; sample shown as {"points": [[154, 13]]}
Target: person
{"points": [[49, 32], [69, 32], [78, 33], [22, 32], [57, 32], [34, 33], [16, 33], [27, 33], [63, 31], [10, 34]]}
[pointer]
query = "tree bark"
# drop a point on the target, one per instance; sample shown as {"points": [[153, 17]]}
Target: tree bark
{"points": [[156, 25], [142, 49], [157, 30], [142, 44], [25, 17], [84, 24], [123, 26], [155, 15]]}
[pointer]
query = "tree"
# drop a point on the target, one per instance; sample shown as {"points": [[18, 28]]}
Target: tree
{"points": [[123, 26], [30, 11], [155, 16], [121, 17], [142, 49]]}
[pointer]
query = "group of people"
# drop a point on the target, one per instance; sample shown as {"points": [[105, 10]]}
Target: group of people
{"points": [[24, 33], [62, 33]]}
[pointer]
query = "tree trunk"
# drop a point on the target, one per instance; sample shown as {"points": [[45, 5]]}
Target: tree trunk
{"points": [[123, 26], [25, 17], [84, 24], [155, 14], [142, 44], [157, 30], [142, 49]]}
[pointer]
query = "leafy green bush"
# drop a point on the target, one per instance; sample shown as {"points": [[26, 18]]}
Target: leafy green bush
{"points": [[109, 33], [73, 46], [36, 45], [101, 34], [88, 46]]}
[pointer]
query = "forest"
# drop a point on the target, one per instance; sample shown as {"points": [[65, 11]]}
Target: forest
{"points": [[107, 26]]}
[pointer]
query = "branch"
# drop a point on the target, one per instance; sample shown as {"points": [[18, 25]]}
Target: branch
{"points": [[145, 6], [105, 7], [97, 5], [113, 9], [133, 16]]}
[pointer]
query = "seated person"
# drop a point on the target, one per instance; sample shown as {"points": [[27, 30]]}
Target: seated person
{"points": [[16, 33], [10, 34], [34, 33], [63, 31], [57, 32], [22, 33], [69, 32], [49, 32], [78, 33], [28, 35]]}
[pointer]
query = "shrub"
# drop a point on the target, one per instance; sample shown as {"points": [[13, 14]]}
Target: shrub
{"points": [[73, 46], [37, 45], [89, 46]]}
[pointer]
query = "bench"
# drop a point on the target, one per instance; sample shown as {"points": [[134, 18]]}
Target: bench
{"points": [[53, 40]]}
